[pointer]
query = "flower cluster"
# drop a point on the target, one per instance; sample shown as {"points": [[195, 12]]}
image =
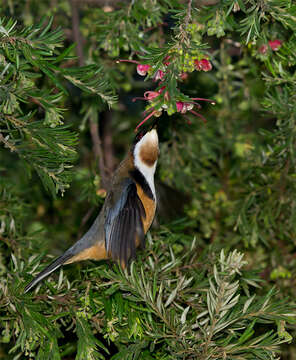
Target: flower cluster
{"points": [[189, 64], [160, 99], [157, 105], [273, 44], [203, 65]]}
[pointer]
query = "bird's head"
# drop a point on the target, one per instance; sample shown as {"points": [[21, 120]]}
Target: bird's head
{"points": [[145, 149]]}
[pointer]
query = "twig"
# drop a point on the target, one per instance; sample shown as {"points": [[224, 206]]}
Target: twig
{"points": [[106, 131], [188, 15], [76, 32], [183, 36], [97, 147]]}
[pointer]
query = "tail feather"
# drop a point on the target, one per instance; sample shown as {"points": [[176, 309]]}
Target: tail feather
{"points": [[92, 237], [48, 270]]}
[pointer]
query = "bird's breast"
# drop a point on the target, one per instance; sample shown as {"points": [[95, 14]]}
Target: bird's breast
{"points": [[149, 206]]}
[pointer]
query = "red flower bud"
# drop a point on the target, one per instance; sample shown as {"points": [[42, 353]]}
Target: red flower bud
{"points": [[275, 44], [206, 65], [142, 69], [203, 65], [197, 65], [180, 106]]}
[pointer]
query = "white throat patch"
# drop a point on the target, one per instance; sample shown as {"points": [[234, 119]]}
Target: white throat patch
{"points": [[147, 171]]}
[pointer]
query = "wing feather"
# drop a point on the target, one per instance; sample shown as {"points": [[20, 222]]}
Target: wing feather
{"points": [[124, 225]]}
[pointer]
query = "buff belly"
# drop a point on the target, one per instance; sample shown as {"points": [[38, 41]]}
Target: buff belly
{"points": [[149, 206]]}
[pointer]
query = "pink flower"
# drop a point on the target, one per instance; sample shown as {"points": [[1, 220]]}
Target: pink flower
{"points": [[179, 105], [206, 65], [203, 65], [159, 75], [275, 44], [183, 76], [142, 69], [197, 65], [263, 49], [183, 107], [149, 95]]}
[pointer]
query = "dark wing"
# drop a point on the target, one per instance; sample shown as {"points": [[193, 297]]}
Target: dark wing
{"points": [[124, 226]]}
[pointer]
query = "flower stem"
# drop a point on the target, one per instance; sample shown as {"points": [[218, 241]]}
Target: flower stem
{"points": [[146, 118], [199, 115], [126, 60]]}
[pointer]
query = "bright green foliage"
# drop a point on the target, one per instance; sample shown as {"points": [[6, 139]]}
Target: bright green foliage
{"points": [[191, 294], [194, 316]]}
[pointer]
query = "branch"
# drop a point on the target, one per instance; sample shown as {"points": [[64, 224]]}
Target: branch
{"points": [[106, 134], [188, 15], [97, 147], [76, 32]]}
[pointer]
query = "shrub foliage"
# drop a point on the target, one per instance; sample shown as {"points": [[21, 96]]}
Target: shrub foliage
{"points": [[216, 280]]}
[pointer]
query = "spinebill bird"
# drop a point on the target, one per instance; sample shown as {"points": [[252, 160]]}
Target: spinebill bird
{"points": [[126, 215]]}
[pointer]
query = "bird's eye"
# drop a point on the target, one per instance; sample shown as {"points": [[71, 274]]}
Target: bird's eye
{"points": [[139, 136]]}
